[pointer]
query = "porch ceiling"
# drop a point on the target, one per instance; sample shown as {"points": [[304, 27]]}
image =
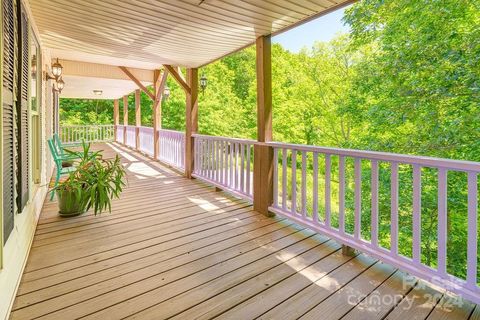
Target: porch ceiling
{"points": [[148, 33]]}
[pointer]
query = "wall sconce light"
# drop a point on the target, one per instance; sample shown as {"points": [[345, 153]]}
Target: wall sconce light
{"points": [[166, 92], [57, 70], [203, 82], [60, 85], [34, 67]]}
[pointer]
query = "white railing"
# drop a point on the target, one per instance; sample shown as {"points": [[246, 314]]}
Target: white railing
{"points": [[226, 163], [336, 192], [87, 133], [131, 136], [146, 140], [120, 133], [172, 147]]}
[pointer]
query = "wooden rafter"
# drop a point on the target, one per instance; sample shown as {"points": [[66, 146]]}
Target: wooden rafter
{"points": [[177, 75], [138, 83], [161, 86]]}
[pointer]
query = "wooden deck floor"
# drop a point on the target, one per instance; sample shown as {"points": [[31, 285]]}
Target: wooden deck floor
{"points": [[175, 248]]}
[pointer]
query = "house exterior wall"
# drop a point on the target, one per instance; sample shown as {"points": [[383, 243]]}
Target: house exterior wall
{"points": [[14, 253]]}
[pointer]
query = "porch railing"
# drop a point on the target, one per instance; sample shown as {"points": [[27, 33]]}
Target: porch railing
{"points": [[130, 136], [120, 133], [225, 162], [146, 140], [172, 147], [391, 206], [348, 206], [87, 133]]}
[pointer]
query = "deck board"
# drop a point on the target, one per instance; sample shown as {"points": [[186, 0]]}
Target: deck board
{"points": [[176, 248]]}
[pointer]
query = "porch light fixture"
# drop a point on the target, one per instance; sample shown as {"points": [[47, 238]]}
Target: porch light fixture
{"points": [[166, 92], [34, 66], [60, 84], [203, 82], [97, 92], [57, 69]]}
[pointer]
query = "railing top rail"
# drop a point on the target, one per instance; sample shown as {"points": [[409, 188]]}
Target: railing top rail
{"points": [[207, 137], [170, 130], [458, 165], [146, 128], [85, 125]]}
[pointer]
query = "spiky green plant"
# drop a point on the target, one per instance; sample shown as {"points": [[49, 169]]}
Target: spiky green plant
{"points": [[95, 182]]}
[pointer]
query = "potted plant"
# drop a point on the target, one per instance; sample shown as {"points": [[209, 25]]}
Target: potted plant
{"points": [[93, 184]]}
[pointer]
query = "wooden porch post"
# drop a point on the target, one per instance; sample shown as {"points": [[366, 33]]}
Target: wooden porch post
{"points": [[191, 117], [125, 118], [138, 119], [116, 117], [263, 155]]}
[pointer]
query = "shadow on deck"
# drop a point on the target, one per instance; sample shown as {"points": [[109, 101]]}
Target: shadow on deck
{"points": [[175, 248]]}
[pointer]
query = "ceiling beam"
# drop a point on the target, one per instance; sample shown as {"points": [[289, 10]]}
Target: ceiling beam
{"points": [[161, 86], [138, 83], [177, 75]]}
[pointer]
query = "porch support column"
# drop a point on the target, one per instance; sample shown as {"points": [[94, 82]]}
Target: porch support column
{"points": [[125, 118], [116, 117], [263, 155], [191, 117], [138, 119]]}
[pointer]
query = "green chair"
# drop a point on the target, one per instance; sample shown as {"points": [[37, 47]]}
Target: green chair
{"points": [[59, 159], [61, 146]]}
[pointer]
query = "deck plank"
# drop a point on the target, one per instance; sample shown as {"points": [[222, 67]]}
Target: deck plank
{"points": [[174, 247]]}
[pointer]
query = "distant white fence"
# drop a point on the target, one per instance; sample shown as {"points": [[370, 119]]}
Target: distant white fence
{"points": [[87, 133]]}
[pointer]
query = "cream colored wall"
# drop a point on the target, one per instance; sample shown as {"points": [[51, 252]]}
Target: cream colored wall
{"points": [[15, 251]]}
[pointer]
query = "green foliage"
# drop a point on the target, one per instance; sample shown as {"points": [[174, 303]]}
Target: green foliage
{"points": [[95, 182]]}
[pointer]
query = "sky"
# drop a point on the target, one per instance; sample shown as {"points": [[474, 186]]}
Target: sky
{"points": [[323, 28]]}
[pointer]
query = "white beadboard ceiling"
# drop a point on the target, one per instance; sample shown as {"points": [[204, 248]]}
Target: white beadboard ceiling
{"points": [[148, 33]]}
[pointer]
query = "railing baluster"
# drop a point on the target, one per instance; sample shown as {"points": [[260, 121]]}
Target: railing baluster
{"points": [[225, 168], [472, 230], [374, 220], [341, 194], [315, 188], [358, 197], [328, 168], [294, 181], [236, 166], [442, 221], [275, 177], [394, 208], [248, 170], [284, 179], [242, 167], [416, 215], [231, 151], [304, 184]]}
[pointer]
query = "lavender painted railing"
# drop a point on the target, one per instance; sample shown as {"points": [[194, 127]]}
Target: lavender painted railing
{"points": [[172, 147], [120, 130], [130, 138], [146, 140], [226, 163], [298, 169], [87, 133]]}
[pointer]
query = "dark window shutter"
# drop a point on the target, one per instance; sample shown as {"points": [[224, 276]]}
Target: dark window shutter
{"points": [[8, 30], [23, 166]]}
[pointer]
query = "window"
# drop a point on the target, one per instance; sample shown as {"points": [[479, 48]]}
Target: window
{"points": [[35, 106]]}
